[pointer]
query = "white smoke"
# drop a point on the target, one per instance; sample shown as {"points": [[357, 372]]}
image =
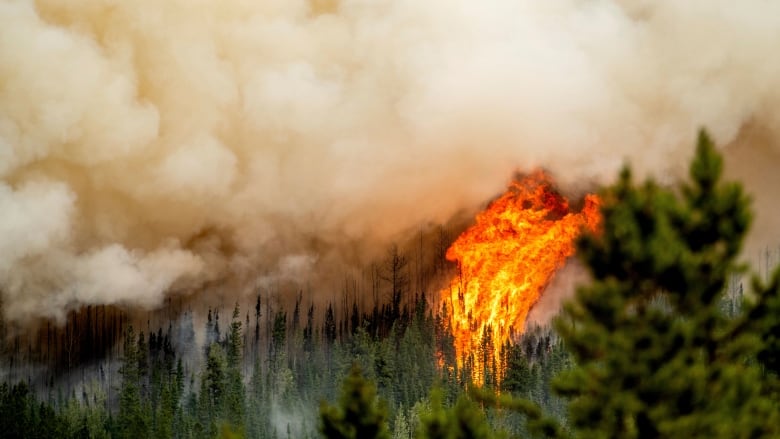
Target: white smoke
{"points": [[150, 146]]}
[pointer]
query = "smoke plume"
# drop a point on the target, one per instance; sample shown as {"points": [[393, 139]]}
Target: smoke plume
{"points": [[153, 146]]}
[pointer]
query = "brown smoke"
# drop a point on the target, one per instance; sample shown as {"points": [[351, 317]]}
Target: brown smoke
{"points": [[149, 146]]}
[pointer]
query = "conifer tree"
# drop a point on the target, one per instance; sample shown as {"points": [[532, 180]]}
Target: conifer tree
{"points": [[330, 326], [234, 399], [211, 403], [359, 415], [463, 421], [401, 428], [258, 410], [131, 419], [655, 355], [518, 378]]}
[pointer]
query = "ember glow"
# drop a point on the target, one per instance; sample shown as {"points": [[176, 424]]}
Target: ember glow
{"points": [[506, 260]]}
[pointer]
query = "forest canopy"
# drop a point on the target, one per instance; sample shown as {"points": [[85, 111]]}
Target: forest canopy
{"points": [[664, 340]]}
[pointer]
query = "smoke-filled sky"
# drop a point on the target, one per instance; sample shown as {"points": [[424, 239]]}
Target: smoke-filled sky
{"points": [[154, 145]]}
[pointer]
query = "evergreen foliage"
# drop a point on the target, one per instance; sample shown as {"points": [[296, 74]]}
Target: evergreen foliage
{"points": [[651, 348], [463, 421], [360, 415], [132, 420], [655, 354], [234, 388]]}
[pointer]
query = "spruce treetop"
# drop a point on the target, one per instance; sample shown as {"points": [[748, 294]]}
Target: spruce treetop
{"points": [[656, 357]]}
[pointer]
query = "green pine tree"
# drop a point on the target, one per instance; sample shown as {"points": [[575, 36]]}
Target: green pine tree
{"points": [[655, 354], [132, 419], [211, 400], [518, 377], [360, 415], [236, 394], [463, 421]]}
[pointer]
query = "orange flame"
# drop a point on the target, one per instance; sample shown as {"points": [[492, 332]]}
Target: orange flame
{"points": [[506, 260]]}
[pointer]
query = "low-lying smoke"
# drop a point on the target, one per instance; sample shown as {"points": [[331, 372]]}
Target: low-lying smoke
{"points": [[154, 146]]}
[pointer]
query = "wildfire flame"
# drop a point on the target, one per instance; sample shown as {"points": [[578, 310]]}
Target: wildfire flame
{"points": [[505, 262]]}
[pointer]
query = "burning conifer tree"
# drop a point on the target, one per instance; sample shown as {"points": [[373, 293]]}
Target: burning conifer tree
{"points": [[656, 356]]}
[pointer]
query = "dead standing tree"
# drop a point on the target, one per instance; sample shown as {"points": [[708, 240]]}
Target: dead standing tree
{"points": [[396, 275]]}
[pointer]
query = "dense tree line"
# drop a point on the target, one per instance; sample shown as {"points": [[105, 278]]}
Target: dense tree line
{"points": [[662, 343], [658, 350], [273, 391]]}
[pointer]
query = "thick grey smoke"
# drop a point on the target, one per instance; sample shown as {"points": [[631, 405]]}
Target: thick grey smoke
{"points": [[148, 146]]}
